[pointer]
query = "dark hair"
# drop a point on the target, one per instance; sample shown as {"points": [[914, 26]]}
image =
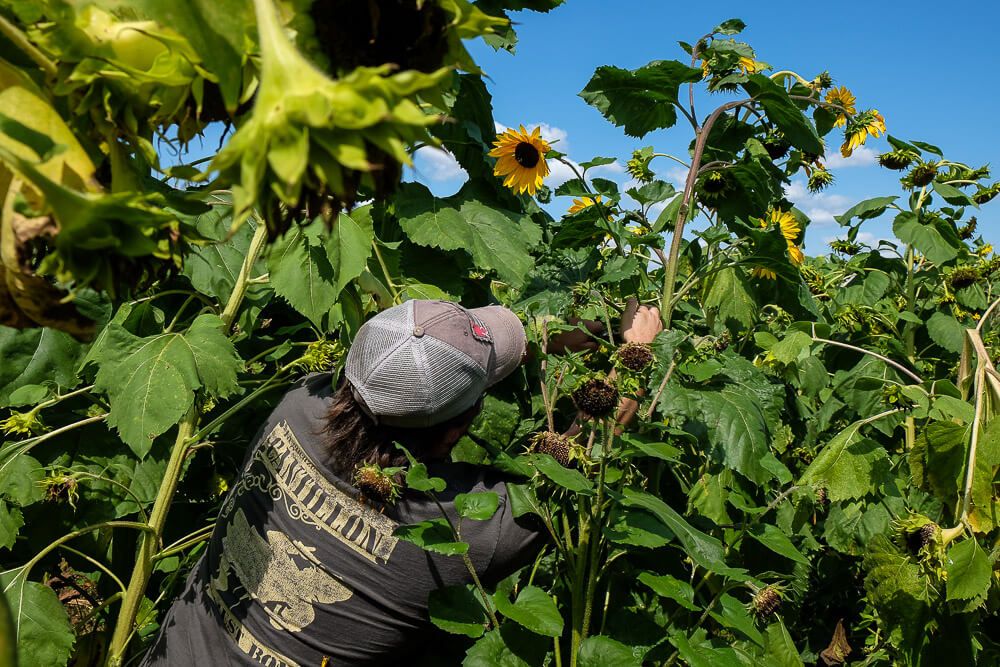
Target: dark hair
{"points": [[354, 439]]}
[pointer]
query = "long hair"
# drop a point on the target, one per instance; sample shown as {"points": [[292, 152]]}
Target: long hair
{"points": [[353, 439]]}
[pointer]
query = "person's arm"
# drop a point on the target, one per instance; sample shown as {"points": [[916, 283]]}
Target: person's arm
{"points": [[640, 324]]}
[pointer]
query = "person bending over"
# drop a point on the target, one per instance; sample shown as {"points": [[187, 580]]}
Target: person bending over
{"points": [[303, 567]]}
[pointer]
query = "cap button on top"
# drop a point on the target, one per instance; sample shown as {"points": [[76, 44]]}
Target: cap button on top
{"points": [[418, 332]]}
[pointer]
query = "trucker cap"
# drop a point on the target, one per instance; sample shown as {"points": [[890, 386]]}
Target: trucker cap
{"points": [[423, 362]]}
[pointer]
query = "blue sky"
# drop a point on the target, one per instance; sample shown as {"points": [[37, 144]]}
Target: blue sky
{"points": [[929, 71]]}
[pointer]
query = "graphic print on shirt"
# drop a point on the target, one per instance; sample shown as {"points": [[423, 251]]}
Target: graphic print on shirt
{"points": [[280, 574], [282, 469]]}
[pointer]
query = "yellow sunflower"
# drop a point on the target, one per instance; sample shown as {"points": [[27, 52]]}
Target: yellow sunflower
{"points": [[796, 255], [765, 273], [521, 159], [582, 203], [790, 227], [868, 123], [749, 65], [843, 98]]}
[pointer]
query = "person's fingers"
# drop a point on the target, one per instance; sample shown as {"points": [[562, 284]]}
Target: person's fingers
{"points": [[628, 315], [594, 326]]}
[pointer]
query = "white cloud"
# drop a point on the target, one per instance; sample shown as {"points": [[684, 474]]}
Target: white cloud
{"points": [[862, 157], [437, 164], [818, 206], [677, 175], [550, 133]]}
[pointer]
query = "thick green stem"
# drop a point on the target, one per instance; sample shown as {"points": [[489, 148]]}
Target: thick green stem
{"points": [[670, 270], [152, 539], [20, 40]]}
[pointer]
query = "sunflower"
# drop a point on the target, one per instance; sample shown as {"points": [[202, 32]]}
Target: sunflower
{"points": [[819, 180], [865, 124], [521, 159], [764, 273], [844, 99], [582, 203], [749, 65], [790, 229]]}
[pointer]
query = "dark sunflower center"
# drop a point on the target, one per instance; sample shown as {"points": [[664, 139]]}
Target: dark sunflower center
{"points": [[526, 155]]}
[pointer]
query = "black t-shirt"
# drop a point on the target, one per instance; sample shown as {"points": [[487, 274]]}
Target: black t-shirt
{"points": [[299, 570]]}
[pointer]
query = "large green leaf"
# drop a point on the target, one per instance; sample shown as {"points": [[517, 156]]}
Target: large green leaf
{"points": [[151, 381], [670, 587], [457, 609], [777, 541], [510, 646], [946, 331], [795, 125], [728, 293], [533, 609], [780, 648], [926, 237], [497, 239], [432, 535], [640, 100], [37, 356], [601, 651], [844, 466], [44, 635], [703, 549], [969, 571], [738, 429]]}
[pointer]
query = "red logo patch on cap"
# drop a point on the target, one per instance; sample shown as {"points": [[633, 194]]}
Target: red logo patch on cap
{"points": [[479, 331]]}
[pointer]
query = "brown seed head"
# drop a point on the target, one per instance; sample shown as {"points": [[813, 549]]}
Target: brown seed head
{"points": [[554, 444], [635, 356], [375, 484], [766, 602], [596, 397]]}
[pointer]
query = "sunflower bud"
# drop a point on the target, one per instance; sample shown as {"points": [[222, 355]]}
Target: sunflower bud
{"points": [[635, 357], [921, 175], [766, 602], [596, 397], [984, 195], [823, 81], [896, 160], [376, 483], [321, 355], [555, 445], [962, 277], [638, 166], [966, 231], [819, 180], [916, 533], [22, 423], [845, 247]]}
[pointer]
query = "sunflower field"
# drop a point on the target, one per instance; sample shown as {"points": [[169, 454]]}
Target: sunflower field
{"points": [[811, 475]]}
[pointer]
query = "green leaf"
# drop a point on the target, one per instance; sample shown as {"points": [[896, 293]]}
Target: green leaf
{"points": [[418, 479], [865, 210], [151, 381], [11, 522], [213, 268], [432, 535], [780, 647], [925, 237], [728, 294], [733, 614], [703, 549], [844, 466], [497, 239], [795, 125], [638, 528], [777, 541], [477, 506], [738, 428], [730, 27], [789, 348], [44, 635], [601, 651], [952, 195], [679, 591], [510, 646], [458, 610], [348, 247], [533, 609], [301, 273], [946, 331], [36, 356], [564, 477], [20, 479], [969, 571], [639, 100]]}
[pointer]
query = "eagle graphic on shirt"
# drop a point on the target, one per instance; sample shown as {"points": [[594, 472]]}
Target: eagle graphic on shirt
{"points": [[268, 569]]}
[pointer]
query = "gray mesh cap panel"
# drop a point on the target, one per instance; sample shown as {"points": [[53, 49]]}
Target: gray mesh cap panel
{"points": [[423, 362]]}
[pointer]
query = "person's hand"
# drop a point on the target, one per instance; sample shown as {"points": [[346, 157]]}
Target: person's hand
{"points": [[640, 324], [576, 340]]}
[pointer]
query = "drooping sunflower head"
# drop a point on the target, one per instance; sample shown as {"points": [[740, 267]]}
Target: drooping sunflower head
{"points": [[775, 144], [986, 194], [582, 203], [521, 159], [843, 98], [897, 160], [790, 227], [921, 175], [638, 166], [823, 80], [865, 124], [819, 180]]}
